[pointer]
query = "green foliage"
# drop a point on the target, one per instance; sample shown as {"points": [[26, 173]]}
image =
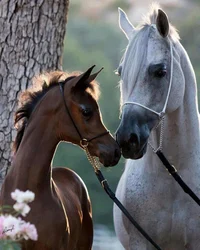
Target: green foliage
{"points": [[9, 245]]}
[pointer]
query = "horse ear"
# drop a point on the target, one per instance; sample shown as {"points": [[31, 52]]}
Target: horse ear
{"points": [[93, 76], [82, 80], [125, 25], [162, 23]]}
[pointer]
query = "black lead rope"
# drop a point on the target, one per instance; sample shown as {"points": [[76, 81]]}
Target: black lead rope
{"points": [[102, 180], [107, 189], [172, 170]]}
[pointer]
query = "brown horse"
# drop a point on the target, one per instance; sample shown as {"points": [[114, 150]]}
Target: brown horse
{"points": [[61, 210]]}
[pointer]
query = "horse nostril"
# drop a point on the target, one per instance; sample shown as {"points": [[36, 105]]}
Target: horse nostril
{"points": [[134, 140]]}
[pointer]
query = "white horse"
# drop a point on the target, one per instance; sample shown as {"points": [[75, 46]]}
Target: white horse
{"points": [[157, 80]]}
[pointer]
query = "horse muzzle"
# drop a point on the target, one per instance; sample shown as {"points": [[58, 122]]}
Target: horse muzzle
{"points": [[108, 155], [134, 143]]}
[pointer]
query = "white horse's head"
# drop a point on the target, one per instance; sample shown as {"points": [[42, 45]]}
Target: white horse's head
{"points": [[152, 82]]}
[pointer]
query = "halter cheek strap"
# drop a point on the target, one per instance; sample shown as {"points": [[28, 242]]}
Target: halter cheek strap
{"points": [[83, 142]]}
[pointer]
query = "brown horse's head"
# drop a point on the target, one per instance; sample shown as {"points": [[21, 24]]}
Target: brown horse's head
{"points": [[80, 95], [69, 103]]}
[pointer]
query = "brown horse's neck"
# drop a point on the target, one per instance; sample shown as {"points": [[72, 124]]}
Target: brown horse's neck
{"points": [[31, 168], [32, 164]]}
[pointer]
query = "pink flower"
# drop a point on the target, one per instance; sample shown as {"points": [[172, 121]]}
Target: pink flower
{"points": [[14, 228], [28, 231], [11, 227], [1, 227]]}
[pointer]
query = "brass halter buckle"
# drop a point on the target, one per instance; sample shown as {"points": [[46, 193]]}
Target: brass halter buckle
{"points": [[84, 143]]}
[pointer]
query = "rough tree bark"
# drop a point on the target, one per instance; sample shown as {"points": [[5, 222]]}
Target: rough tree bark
{"points": [[31, 41]]}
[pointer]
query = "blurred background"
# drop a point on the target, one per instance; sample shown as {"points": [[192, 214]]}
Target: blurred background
{"points": [[93, 37]]}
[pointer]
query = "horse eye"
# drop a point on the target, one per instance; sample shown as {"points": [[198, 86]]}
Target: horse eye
{"points": [[161, 73], [86, 112]]}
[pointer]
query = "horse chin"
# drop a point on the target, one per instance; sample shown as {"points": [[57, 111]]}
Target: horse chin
{"points": [[108, 162], [107, 159], [134, 155], [104, 162]]}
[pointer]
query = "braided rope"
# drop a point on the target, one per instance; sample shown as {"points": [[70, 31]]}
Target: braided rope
{"points": [[93, 161]]}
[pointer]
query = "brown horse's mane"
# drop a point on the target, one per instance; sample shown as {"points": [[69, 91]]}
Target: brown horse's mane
{"points": [[41, 85]]}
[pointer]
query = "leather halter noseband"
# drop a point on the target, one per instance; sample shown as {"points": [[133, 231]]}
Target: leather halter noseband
{"points": [[83, 142]]}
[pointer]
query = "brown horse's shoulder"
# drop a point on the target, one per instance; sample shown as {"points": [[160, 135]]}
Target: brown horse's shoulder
{"points": [[68, 179], [74, 195], [71, 186]]}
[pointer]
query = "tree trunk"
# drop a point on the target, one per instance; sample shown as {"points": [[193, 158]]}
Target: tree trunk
{"points": [[31, 41]]}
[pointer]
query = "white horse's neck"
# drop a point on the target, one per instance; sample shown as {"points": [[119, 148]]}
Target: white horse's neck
{"points": [[181, 137]]}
